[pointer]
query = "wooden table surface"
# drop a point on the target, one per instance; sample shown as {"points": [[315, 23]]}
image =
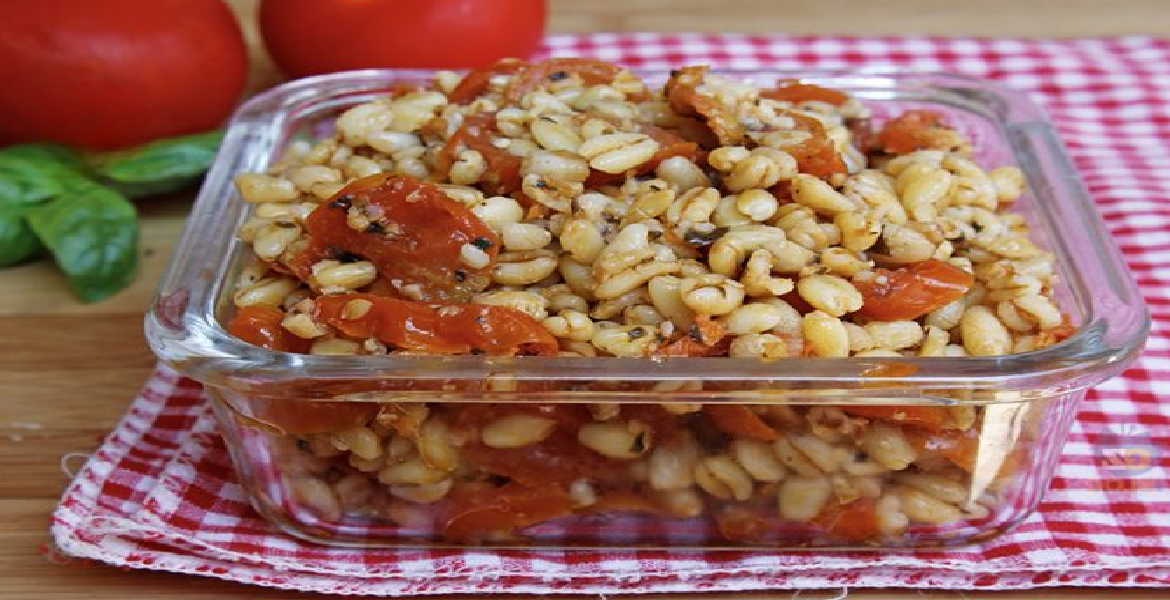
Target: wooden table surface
{"points": [[68, 370]]}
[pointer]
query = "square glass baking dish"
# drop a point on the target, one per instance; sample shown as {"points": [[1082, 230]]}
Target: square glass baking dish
{"points": [[274, 407]]}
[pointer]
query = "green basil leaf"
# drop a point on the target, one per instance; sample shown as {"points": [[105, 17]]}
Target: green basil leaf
{"points": [[158, 167], [92, 232], [33, 173], [18, 243]]}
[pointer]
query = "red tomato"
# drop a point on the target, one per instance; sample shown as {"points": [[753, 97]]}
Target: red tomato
{"points": [[117, 73], [309, 37]]}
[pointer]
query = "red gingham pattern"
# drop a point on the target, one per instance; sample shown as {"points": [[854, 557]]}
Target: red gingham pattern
{"points": [[160, 493]]}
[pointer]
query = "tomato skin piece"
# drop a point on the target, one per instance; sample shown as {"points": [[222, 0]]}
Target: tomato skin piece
{"points": [[556, 461], [803, 92], [477, 82], [259, 325], [624, 501], [590, 70], [744, 522], [559, 459], [309, 37], [797, 302], [473, 511], [705, 337], [117, 73], [856, 521], [417, 239], [686, 345], [816, 156], [932, 418], [914, 130], [454, 329], [670, 144], [739, 421], [684, 99], [502, 176], [960, 447], [912, 290]]}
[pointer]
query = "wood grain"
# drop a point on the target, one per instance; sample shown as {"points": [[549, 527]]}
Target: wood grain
{"points": [[68, 370]]}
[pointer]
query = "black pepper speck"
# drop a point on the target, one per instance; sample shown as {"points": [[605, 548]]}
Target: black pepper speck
{"points": [[345, 202]]}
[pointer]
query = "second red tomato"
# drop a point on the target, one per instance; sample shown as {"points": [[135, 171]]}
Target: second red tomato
{"points": [[308, 37]]}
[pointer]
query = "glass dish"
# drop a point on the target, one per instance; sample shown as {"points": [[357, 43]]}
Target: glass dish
{"points": [[271, 404]]}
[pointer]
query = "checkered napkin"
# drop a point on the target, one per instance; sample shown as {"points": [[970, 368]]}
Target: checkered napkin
{"points": [[161, 494]]}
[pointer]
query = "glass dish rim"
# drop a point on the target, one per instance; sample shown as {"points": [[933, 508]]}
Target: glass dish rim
{"points": [[184, 332]]}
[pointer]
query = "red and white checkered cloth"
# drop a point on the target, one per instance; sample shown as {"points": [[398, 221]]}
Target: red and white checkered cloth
{"points": [[161, 494]]}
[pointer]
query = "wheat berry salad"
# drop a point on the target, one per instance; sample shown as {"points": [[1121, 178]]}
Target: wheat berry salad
{"points": [[451, 230]]}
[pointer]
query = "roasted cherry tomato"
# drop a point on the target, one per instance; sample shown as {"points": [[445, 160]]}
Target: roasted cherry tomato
{"points": [[412, 232], [473, 512], [301, 416], [743, 523], [590, 71], [709, 330], [502, 176], [705, 337], [260, 326], [796, 301], [855, 521], [663, 425], [739, 421], [477, 82], [623, 501], [912, 291], [530, 77], [915, 130], [803, 92], [816, 155], [686, 101], [670, 144], [308, 37], [1056, 335], [934, 418], [960, 447], [557, 460], [454, 329], [685, 345]]}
